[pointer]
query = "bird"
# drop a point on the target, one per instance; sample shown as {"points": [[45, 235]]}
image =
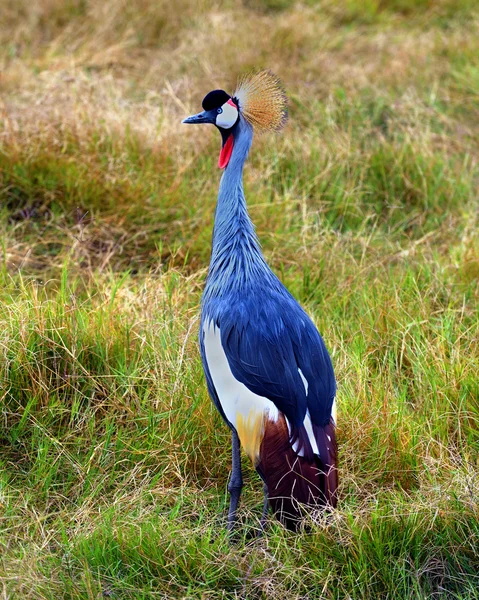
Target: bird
{"points": [[266, 366]]}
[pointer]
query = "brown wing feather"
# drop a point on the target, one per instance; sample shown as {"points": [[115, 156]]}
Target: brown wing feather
{"points": [[294, 481]]}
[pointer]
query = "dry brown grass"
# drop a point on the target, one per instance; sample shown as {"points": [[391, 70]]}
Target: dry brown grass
{"points": [[113, 464]]}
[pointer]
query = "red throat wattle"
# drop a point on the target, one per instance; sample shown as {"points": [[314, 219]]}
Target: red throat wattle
{"points": [[226, 151]]}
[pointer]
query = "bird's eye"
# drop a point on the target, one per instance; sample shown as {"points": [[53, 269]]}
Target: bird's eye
{"points": [[219, 110]]}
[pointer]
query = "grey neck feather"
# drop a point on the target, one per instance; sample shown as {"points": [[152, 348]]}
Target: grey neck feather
{"points": [[236, 258]]}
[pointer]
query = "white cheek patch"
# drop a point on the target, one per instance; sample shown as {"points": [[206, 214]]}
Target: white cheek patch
{"points": [[228, 117]]}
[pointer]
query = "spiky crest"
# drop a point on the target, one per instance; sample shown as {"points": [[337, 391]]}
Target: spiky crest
{"points": [[262, 100]]}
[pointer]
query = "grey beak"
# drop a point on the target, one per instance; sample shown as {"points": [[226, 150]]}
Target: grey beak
{"points": [[207, 116]]}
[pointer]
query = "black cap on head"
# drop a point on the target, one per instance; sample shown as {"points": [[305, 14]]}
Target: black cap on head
{"points": [[215, 99]]}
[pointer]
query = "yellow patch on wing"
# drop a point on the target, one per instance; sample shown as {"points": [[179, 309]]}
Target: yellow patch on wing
{"points": [[250, 431]]}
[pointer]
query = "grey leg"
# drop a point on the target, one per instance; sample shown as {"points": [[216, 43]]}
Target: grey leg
{"points": [[236, 482], [262, 523]]}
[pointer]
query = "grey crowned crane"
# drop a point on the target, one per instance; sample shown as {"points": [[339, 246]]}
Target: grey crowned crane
{"points": [[266, 366]]}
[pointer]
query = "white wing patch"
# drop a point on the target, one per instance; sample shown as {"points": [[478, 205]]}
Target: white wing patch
{"points": [[305, 381], [308, 424], [234, 396], [306, 387]]}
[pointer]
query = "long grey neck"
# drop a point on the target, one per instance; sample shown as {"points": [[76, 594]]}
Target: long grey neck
{"points": [[236, 257]]}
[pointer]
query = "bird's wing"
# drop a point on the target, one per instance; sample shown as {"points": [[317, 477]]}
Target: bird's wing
{"points": [[275, 350]]}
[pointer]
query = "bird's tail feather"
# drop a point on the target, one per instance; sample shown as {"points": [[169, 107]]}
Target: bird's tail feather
{"points": [[294, 481]]}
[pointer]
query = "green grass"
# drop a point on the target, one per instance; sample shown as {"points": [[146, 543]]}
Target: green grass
{"points": [[113, 461]]}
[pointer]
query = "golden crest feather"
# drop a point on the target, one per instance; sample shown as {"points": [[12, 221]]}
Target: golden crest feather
{"points": [[262, 101]]}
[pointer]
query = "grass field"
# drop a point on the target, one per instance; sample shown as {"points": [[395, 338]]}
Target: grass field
{"points": [[113, 461]]}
